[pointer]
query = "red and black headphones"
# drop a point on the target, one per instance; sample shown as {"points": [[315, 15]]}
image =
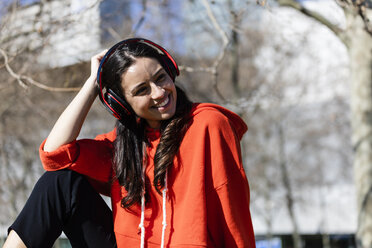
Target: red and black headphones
{"points": [[115, 104]]}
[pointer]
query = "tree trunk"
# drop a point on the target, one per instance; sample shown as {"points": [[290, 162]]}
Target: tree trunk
{"points": [[359, 44], [234, 54], [288, 188], [235, 61], [326, 241]]}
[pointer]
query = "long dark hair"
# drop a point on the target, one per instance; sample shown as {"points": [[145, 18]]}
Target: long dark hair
{"points": [[131, 139]]}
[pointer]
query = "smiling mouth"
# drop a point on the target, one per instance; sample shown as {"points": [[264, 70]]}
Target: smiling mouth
{"points": [[163, 103]]}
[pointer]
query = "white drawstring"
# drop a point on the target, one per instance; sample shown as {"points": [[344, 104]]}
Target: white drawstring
{"points": [[141, 225], [164, 223]]}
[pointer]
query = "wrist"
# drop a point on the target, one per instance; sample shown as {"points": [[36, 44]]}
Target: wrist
{"points": [[91, 85]]}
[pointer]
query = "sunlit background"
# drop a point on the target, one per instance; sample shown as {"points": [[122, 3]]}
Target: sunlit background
{"points": [[288, 68]]}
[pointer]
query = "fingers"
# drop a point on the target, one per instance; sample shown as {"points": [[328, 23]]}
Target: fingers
{"points": [[100, 55], [96, 60]]}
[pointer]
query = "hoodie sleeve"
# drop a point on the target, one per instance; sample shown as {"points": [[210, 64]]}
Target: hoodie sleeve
{"points": [[227, 190], [90, 157]]}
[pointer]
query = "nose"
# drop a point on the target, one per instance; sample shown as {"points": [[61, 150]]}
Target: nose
{"points": [[157, 92]]}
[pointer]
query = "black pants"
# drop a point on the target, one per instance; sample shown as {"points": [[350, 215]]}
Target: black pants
{"points": [[65, 201]]}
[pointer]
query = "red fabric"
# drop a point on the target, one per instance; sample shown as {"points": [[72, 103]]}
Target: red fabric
{"points": [[208, 203]]}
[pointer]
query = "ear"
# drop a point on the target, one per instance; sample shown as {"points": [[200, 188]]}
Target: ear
{"points": [[117, 105]]}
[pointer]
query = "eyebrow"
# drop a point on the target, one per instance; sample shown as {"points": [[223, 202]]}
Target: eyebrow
{"points": [[140, 84]]}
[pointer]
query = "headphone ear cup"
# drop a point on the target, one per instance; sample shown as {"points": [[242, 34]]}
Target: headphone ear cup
{"points": [[117, 106], [170, 68]]}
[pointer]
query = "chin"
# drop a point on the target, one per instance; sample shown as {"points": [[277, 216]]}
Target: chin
{"points": [[167, 116]]}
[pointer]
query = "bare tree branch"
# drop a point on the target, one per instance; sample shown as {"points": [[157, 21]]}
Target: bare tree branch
{"points": [[316, 16], [214, 22], [261, 2], [222, 53], [11, 72], [21, 78], [289, 196], [193, 69], [114, 33], [142, 18], [361, 6]]}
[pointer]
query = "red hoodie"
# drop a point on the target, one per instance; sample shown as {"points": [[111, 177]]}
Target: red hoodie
{"points": [[208, 192]]}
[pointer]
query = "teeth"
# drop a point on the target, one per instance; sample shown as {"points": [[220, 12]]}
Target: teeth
{"points": [[165, 102]]}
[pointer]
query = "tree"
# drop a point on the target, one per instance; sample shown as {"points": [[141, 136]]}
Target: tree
{"points": [[357, 37], [32, 94], [228, 74]]}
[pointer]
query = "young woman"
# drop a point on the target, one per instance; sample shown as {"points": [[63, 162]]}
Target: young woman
{"points": [[172, 168]]}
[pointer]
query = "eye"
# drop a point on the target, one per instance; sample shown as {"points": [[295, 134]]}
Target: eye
{"points": [[141, 91], [161, 78]]}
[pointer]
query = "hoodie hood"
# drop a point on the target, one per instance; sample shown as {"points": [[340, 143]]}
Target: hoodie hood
{"points": [[237, 123]]}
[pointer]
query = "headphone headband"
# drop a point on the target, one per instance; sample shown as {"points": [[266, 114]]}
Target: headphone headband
{"points": [[117, 106]]}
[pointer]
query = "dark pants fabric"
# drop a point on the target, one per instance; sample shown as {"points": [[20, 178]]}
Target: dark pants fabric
{"points": [[65, 201]]}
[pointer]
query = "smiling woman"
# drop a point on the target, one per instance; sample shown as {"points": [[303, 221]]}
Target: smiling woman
{"points": [[150, 91], [172, 168]]}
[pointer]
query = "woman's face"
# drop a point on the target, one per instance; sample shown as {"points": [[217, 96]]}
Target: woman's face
{"points": [[150, 91]]}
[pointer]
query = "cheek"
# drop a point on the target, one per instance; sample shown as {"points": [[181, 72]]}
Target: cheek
{"points": [[174, 92], [138, 105], [172, 87]]}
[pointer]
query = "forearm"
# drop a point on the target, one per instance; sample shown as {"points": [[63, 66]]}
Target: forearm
{"points": [[68, 125]]}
